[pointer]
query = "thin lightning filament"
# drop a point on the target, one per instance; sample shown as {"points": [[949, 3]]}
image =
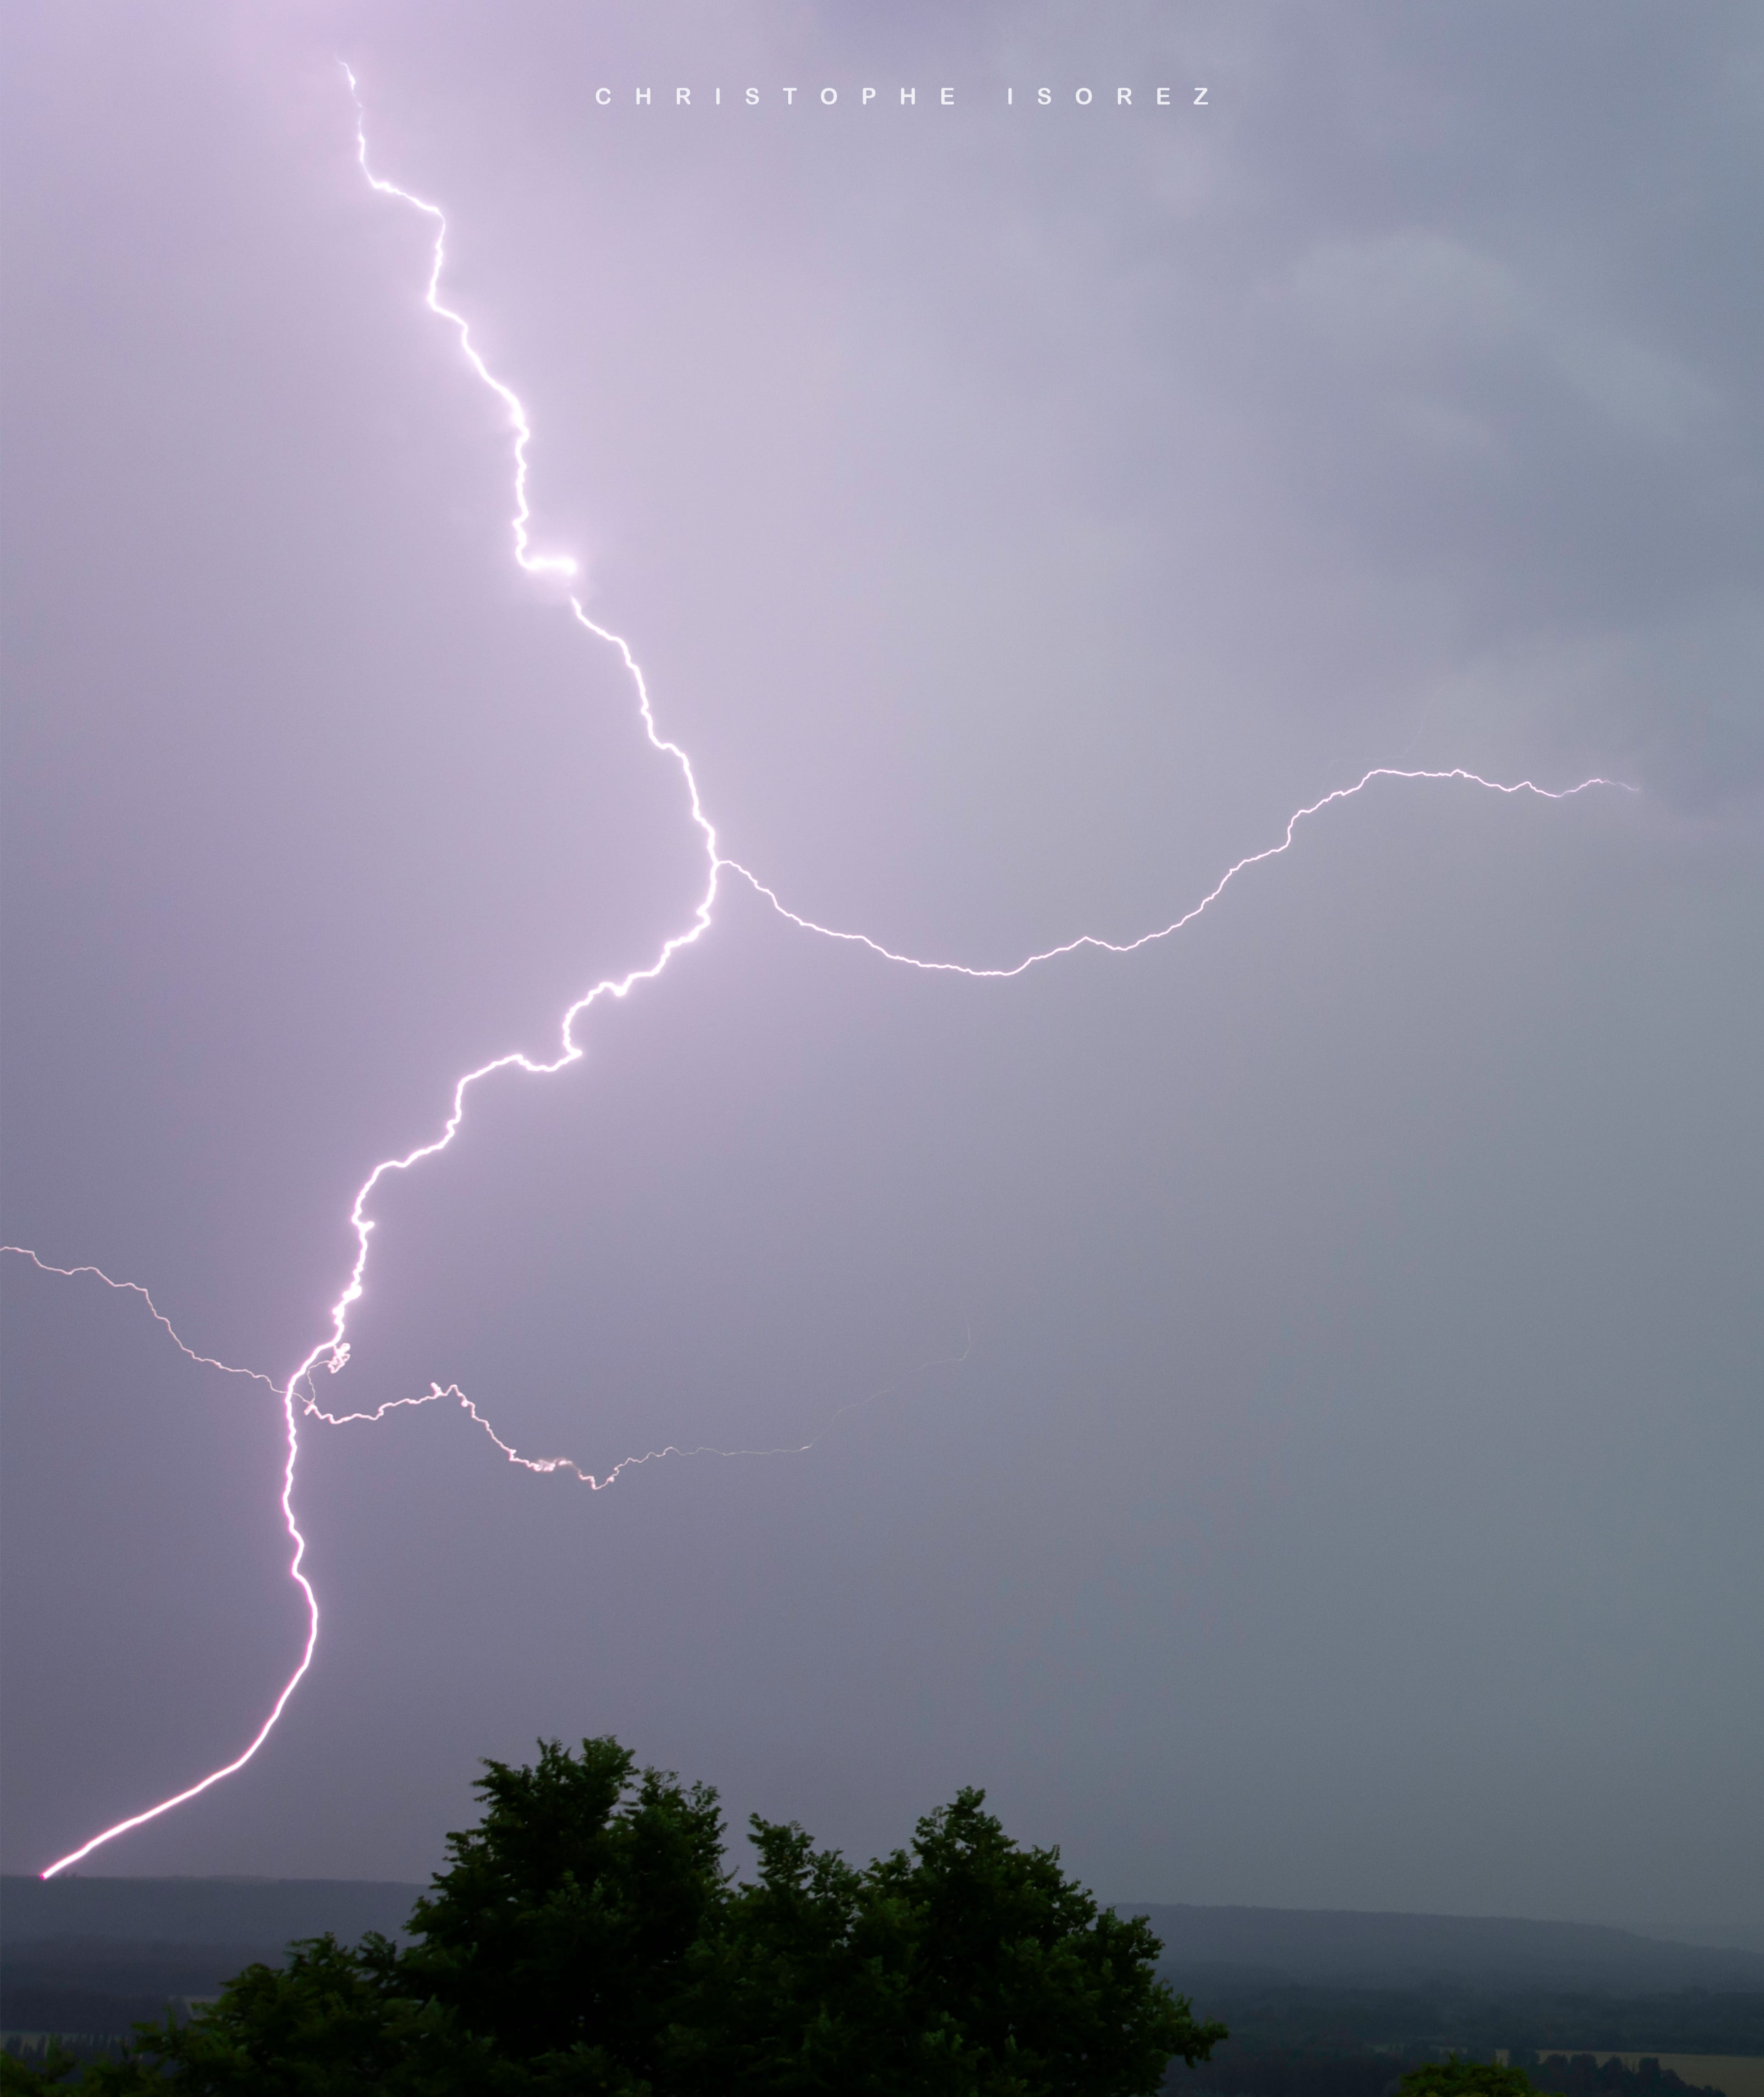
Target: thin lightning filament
{"points": [[296, 1394]]}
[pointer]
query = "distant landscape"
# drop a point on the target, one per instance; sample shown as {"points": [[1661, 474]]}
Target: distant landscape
{"points": [[94, 1956], [1320, 2003], [1338, 2003]]}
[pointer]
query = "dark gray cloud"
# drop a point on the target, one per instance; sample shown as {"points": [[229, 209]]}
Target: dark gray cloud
{"points": [[1305, 1440]]}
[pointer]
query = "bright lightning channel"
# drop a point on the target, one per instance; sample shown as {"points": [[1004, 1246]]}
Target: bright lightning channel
{"points": [[296, 1395]]}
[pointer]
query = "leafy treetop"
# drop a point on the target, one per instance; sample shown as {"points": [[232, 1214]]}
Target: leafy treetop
{"points": [[586, 1940], [1464, 2078]]}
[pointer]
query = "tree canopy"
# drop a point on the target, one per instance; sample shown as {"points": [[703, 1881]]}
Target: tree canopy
{"points": [[585, 1937], [1465, 2079]]}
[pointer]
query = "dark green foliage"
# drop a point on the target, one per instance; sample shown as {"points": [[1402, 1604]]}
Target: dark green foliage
{"points": [[585, 1941], [54, 2070], [966, 1965], [334, 2022], [567, 1914], [1586, 2076], [1464, 2078], [1583, 2077]]}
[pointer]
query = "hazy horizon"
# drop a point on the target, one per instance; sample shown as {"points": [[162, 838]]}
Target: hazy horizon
{"points": [[1736, 1936]]}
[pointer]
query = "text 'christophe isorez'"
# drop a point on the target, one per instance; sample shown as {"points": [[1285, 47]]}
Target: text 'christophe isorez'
{"points": [[1084, 98]]}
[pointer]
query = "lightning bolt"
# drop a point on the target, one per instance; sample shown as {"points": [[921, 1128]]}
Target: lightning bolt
{"points": [[296, 1395], [1188, 916], [547, 1466]]}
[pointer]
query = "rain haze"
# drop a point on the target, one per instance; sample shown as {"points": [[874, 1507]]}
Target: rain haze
{"points": [[1281, 1408]]}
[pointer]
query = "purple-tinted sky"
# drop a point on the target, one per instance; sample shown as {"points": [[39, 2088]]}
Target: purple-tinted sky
{"points": [[1347, 1490]]}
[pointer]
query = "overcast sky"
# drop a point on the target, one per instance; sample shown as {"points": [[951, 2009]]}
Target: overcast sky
{"points": [[1285, 1404]]}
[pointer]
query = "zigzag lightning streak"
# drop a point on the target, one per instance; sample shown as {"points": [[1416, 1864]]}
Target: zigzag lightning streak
{"points": [[296, 1395]]}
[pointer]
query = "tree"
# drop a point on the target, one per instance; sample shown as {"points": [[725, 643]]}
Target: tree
{"points": [[1454, 2077], [585, 1938], [332, 2023], [566, 1917], [967, 1966]]}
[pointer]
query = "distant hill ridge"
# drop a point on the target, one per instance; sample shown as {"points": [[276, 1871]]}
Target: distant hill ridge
{"points": [[1303, 1947], [1343, 1947], [253, 1912]]}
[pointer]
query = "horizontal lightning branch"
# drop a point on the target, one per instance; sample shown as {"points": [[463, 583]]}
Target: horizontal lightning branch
{"points": [[549, 1466], [297, 1396], [1188, 916]]}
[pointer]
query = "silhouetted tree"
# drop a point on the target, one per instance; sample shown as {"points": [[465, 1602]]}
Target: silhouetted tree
{"points": [[566, 1917], [584, 1941], [968, 1965], [1464, 2078]]}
